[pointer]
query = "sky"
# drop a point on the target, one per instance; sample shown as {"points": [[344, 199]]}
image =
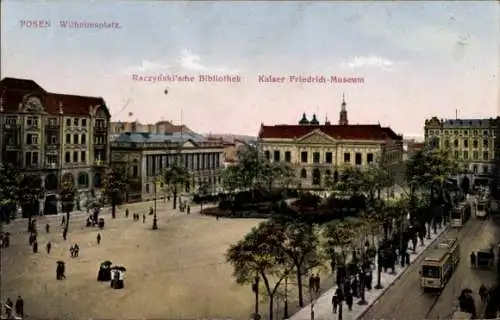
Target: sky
{"points": [[413, 60]]}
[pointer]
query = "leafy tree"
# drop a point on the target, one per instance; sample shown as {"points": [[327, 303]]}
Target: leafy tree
{"points": [[115, 185], [67, 195], [261, 254], [341, 234], [175, 176], [9, 190], [30, 191], [301, 246]]}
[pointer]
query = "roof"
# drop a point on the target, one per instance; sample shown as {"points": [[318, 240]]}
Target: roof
{"points": [[345, 132], [437, 254], [146, 137], [15, 91]]}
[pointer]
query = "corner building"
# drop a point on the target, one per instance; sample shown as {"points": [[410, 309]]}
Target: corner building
{"points": [[63, 138], [319, 152]]}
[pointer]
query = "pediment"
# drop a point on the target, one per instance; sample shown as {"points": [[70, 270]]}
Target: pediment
{"points": [[317, 136], [189, 144]]}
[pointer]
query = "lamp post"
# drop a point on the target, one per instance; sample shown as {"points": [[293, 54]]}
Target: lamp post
{"points": [[286, 299], [155, 218]]}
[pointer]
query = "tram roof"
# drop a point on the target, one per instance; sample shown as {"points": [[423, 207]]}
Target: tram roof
{"points": [[437, 255], [447, 243]]}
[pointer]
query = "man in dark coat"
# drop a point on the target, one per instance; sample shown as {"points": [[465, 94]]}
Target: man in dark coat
{"points": [[9, 307], [20, 307], [49, 246]]}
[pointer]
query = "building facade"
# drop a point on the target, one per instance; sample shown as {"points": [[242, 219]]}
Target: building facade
{"points": [[471, 141], [319, 152], [145, 156], [63, 138]]}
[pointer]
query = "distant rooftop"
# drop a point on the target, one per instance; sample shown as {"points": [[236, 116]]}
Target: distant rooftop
{"points": [[147, 137]]}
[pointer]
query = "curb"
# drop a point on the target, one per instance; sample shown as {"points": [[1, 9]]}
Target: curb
{"points": [[372, 303]]}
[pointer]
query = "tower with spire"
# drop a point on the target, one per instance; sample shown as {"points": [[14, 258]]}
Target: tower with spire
{"points": [[343, 121]]}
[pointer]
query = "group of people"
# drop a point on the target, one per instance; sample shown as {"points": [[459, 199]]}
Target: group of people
{"points": [[314, 283], [74, 250], [14, 310]]}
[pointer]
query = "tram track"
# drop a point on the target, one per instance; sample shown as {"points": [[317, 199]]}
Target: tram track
{"points": [[470, 228]]}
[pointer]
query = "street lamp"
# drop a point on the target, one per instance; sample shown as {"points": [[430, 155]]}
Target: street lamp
{"points": [[286, 298], [155, 218]]}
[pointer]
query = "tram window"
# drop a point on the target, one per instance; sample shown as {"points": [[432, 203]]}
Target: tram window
{"points": [[455, 214], [430, 272]]}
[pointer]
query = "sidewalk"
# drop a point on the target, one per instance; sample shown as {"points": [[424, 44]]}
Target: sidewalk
{"points": [[323, 305]]}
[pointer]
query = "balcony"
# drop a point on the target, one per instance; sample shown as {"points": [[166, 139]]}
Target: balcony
{"points": [[52, 127], [11, 127], [101, 128], [100, 163], [51, 166]]}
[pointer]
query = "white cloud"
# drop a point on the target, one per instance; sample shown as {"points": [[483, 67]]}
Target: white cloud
{"points": [[147, 65], [192, 62], [371, 61]]}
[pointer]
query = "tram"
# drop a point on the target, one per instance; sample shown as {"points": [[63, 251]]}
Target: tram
{"points": [[460, 214], [439, 264], [482, 208]]}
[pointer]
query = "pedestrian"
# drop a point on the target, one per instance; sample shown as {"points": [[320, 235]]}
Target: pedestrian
{"points": [[349, 300], [473, 260], [143, 218], [20, 307], [35, 246], [317, 283], [98, 238], [63, 221], [126, 213], [49, 246], [72, 251], [9, 306], [188, 209], [335, 302], [217, 217], [76, 250], [151, 211], [311, 283], [65, 233], [47, 228], [483, 292]]}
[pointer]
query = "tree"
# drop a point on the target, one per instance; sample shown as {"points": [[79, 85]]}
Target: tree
{"points": [[175, 176], [341, 234], [67, 195], [301, 246], [30, 191], [115, 185], [9, 190], [261, 254], [203, 191]]}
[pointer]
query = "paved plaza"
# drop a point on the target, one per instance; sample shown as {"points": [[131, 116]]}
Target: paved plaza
{"points": [[178, 271]]}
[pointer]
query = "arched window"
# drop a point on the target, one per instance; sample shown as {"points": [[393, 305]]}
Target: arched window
{"points": [[97, 180], [68, 179], [475, 169], [51, 182]]}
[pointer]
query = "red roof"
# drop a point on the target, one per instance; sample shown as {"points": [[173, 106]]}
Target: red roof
{"points": [[345, 132], [14, 91]]}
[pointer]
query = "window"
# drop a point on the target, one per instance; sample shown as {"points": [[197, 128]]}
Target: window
{"points": [[456, 154], [466, 132], [485, 169], [347, 157], [68, 122], [53, 139], [455, 143], [68, 138], [475, 155], [288, 156], [466, 143], [485, 132], [31, 139], [267, 154], [32, 122], [83, 139], [328, 157], [67, 157], [303, 173], [276, 155], [76, 122], [475, 144], [75, 156], [447, 143], [485, 143], [474, 169], [75, 139], [147, 187], [476, 132], [369, 157], [135, 171], [358, 160], [456, 132], [51, 159], [84, 122], [316, 157], [31, 159], [486, 156], [466, 155], [83, 156], [303, 156], [446, 132]]}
